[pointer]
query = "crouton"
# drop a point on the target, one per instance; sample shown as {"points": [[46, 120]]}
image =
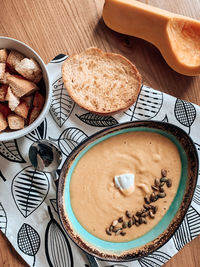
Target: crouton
{"points": [[4, 109], [2, 70], [38, 100], [21, 87], [22, 110], [3, 122], [34, 114], [13, 59], [3, 92], [29, 69], [3, 55], [13, 100], [28, 100], [15, 122], [4, 79]]}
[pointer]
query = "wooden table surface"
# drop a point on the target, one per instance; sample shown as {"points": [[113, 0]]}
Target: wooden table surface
{"points": [[67, 26]]}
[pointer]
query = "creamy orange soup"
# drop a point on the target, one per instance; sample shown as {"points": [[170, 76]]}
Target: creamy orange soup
{"points": [[95, 199]]}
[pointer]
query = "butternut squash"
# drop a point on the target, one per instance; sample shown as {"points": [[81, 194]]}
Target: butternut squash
{"points": [[176, 36]]}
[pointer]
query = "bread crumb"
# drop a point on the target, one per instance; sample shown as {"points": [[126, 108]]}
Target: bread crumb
{"points": [[22, 110], [13, 59], [29, 69], [2, 70], [3, 55], [13, 100], [15, 122], [3, 92], [3, 122]]}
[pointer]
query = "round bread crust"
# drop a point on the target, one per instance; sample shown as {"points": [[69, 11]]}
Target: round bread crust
{"points": [[95, 51]]}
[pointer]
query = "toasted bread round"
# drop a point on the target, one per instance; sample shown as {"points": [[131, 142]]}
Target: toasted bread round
{"points": [[103, 83]]}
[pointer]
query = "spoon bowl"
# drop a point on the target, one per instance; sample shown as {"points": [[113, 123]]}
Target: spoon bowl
{"points": [[45, 156]]}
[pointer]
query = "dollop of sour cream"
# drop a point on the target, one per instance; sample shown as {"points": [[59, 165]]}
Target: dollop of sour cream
{"points": [[125, 183]]}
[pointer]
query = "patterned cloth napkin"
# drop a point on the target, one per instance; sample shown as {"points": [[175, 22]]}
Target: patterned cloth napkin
{"points": [[28, 211]]}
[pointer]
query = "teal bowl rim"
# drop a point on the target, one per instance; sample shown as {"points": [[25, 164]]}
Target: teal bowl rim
{"points": [[116, 253]]}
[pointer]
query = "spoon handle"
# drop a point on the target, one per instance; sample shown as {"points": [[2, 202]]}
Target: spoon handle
{"points": [[55, 177], [92, 260]]}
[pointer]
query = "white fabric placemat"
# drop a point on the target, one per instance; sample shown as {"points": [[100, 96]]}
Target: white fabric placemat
{"points": [[28, 212]]}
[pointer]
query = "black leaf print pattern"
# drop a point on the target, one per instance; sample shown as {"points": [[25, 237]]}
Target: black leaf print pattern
{"points": [[156, 259], [3, 219], [39, 133], [59, 58], [62, 105], [165, 119], [57, 247], [28, 240], [188, 230], [10, 151], [97, 120], [58, 171], [2, 176], [196, 197], [147, 106], [116, 265], [54, 204], [29, 189], [91, 260], [69, 139], [185, 113]]}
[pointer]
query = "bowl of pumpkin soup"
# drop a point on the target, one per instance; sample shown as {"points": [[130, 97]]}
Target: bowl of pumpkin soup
{"points": [[124, 191]]}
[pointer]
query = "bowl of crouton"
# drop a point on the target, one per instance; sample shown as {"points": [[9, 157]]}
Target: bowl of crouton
{"points": [[25, 92]]}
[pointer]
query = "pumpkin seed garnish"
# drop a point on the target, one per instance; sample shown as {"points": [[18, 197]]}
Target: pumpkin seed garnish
{"points": [[164, 173], [161, 189], [148, 210], [146, 206], [128, 214], [154, 209], [124, 225], [144, 220], [136, 220], [123, 233], [133, 220], [152, 197], [147, 200], [151, 215], [156, 182], [162, 184], [120, 220], [118, 232], [114, 223], [110, 228], [155, 188], [163, 179], [140, 220], [115, 229], [108, 231], [145, 214], [138, 213], [162, 195], [156, 198], [130, 223], [169, 183]]}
